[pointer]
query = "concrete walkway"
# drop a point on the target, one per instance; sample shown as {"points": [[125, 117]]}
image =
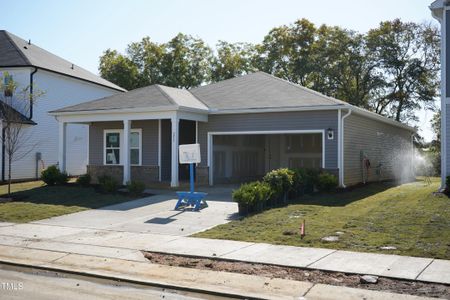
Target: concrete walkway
{"points": [[127, 245], [221, 284]]}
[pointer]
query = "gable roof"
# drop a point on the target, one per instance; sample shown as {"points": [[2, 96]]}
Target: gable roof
{"points": [[259, 90], [153, 96], [16, 52]]}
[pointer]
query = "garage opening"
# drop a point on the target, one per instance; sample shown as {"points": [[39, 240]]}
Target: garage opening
{"points": [[245, 157]]}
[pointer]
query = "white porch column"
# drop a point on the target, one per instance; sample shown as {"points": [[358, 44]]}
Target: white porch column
{"points": [[126, 151], [62, 146], [175, 141]]}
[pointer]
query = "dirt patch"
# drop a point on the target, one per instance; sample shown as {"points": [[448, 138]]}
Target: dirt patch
{"points": [[314, 276]]}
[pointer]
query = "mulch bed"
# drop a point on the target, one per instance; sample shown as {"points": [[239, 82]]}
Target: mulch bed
{"points": [[314, 276]]}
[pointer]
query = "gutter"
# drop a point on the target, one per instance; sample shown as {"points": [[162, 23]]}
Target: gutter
{"points": [[31, 92], [341, 136]]}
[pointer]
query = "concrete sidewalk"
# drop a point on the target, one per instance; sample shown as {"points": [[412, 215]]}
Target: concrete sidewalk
{"points": [[221, 284], [127, 245]]}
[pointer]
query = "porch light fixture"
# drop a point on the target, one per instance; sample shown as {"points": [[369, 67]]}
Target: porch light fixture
{"points": [[330, 133]]}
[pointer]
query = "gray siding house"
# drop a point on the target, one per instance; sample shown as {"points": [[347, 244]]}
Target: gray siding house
{"points": [[440, 10], [246, 126]]}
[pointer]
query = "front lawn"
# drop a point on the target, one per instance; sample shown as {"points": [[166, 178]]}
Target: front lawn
{"points": [[36, 201], [408, 217]]}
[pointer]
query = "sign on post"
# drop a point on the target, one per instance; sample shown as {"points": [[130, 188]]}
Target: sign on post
{"points": [[189, 154]]}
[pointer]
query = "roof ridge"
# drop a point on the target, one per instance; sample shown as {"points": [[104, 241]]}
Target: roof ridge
{"points": [[24, 57], [228, 79], [159, 87], [303, 88]]}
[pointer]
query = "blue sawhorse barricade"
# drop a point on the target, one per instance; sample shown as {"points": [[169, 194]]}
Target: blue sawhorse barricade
{"points": [[191, 198]]}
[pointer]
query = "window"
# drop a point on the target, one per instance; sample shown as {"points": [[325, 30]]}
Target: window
{"points": [[8, 85], [114, 147]]}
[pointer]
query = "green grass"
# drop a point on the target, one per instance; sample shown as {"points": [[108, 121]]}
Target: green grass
{"points": [[36, 201], [408, 217]]}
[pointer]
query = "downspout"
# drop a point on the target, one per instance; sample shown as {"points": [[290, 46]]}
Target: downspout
{"points": [[341, 169], [31, 92]]}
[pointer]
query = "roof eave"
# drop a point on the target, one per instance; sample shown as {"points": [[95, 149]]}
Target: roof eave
{"points": [[118, 88], [128, 110]]}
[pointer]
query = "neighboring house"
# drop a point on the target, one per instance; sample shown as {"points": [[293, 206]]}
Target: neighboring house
{"points": [[440, 10], [245, 126], [61, 83]]}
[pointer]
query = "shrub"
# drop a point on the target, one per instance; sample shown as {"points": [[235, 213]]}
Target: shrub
{"points": [[84, 180], [447, 183], [135, 188], [308, 178], [108, 184], [281, 181], [52, 176], [327, 182], [252, 196]]}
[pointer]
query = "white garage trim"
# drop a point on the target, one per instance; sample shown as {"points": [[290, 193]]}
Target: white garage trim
{"points": [[212, 133]]}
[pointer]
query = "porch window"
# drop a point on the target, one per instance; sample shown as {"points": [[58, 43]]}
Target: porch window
{"points": [[113, 149]]}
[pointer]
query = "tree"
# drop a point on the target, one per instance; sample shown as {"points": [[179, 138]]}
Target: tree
{"points": [[408, 61], [186, 62], [232, 60], [436, 127], [14, 135], [183, 62], [286, 52], [148, 57], [119, 69], [344, 68]]}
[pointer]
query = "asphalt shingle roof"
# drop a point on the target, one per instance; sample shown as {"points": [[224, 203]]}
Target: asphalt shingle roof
{"points": [[146, 97], [259, 90], [16, 52], [7, 112]]}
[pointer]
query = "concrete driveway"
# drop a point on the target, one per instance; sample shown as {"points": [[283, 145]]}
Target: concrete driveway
{"points": [[154, 215]]}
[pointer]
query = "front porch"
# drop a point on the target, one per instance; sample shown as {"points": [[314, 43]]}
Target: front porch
{"points": [[139, 149]]}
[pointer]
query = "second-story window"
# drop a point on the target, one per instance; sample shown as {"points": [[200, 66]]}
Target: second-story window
{"points": [[8, 85]]}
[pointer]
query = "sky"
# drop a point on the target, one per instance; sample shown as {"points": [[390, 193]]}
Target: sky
{"points": [[80, 30]]}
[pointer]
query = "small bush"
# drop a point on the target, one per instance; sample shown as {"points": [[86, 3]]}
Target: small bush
{"points": [[84, 180], [135, 188], [108, 184], [447, 183], [52, 176], [281, 181], [327, 182], [308, 179], [252, 196]]}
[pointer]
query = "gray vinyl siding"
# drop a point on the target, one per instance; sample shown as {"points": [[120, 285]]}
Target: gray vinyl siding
{"points": [[306, 120], [382, 143], [149, 140]]}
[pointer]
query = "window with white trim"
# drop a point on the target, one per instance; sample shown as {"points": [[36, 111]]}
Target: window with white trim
{"points": [[113, 147]]}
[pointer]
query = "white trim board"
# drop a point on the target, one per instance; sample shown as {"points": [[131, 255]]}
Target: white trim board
{"points": [[212, 133]]}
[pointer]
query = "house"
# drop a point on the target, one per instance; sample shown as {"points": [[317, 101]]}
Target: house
{"points": [[60, 83], [440, 10], [245, 126]]}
